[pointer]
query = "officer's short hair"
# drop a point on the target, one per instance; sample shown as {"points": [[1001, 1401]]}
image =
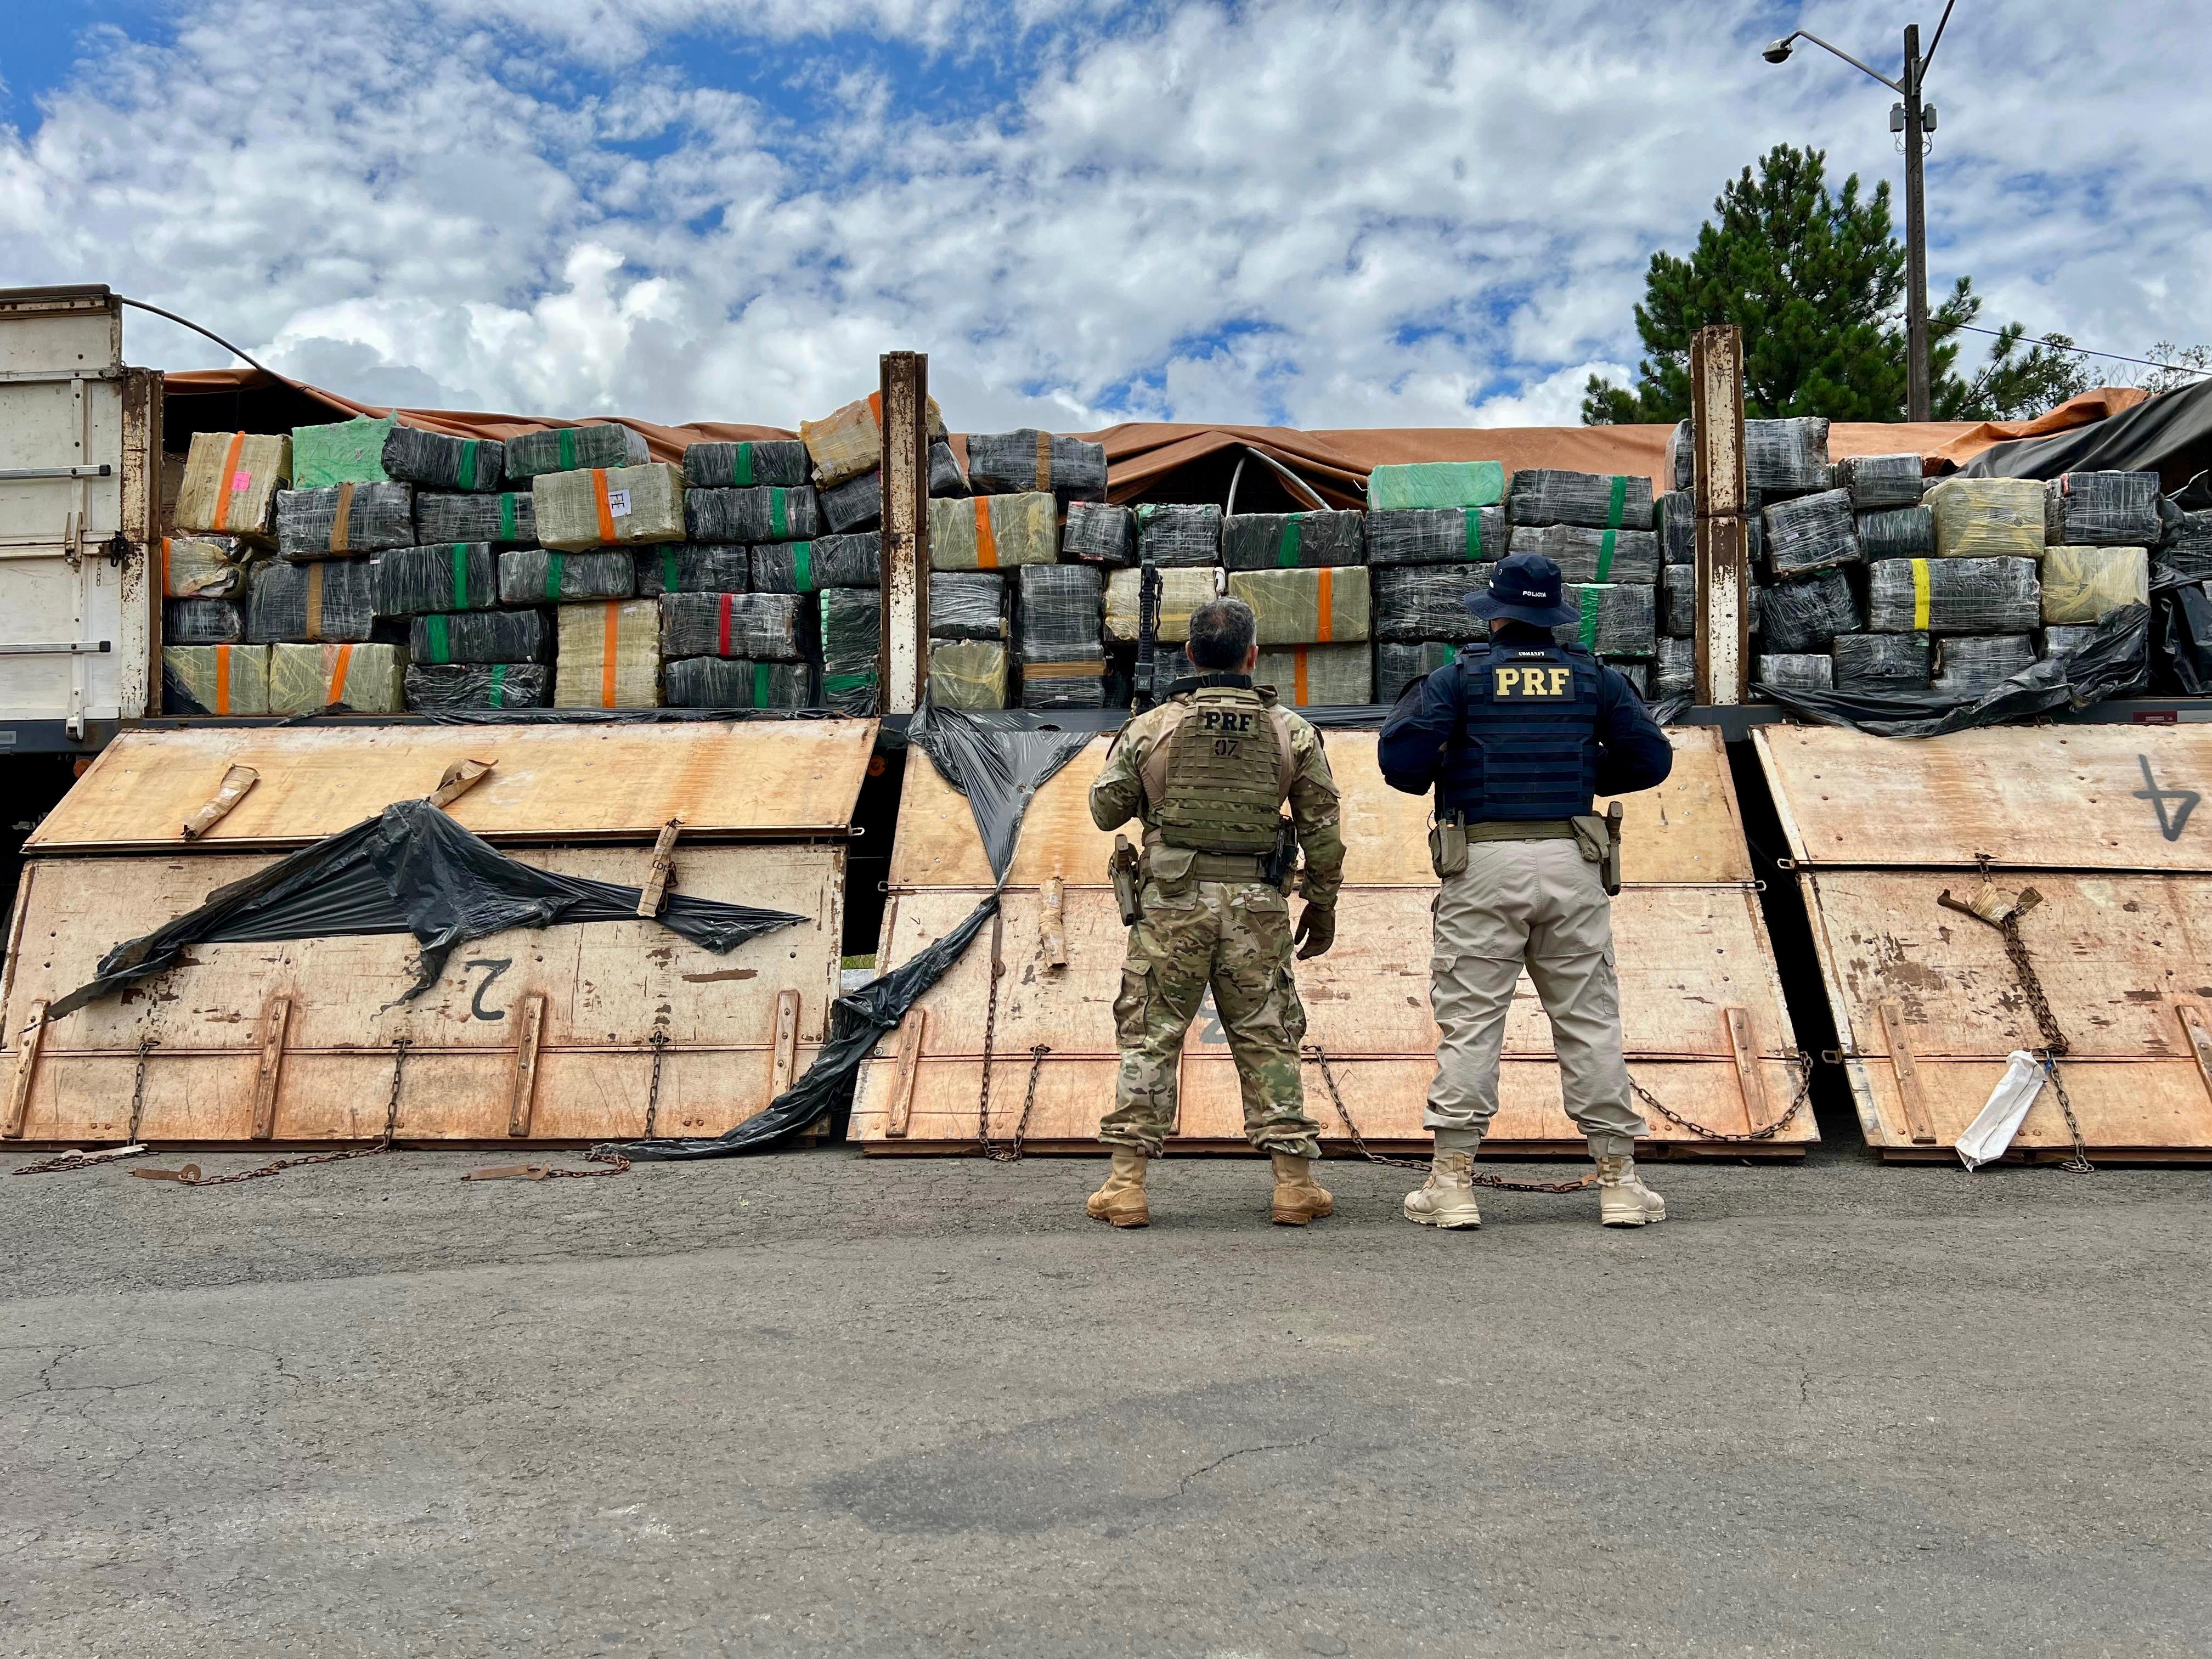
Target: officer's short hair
{"points": [[1221, 632]]}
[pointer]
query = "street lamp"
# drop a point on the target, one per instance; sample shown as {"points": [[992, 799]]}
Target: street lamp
{"points": [[1912, 119]]}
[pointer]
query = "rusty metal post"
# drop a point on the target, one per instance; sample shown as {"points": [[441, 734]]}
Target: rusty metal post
{"points": [[1724, 592], [902, 665]]}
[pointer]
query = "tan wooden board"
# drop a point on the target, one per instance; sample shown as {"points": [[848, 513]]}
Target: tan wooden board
{"points": [[2061, 797], [606, 988], [548, 782], [1688, 830]]}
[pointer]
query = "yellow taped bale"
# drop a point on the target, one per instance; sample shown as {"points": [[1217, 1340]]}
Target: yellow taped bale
{"points": [[968, 673], [203, 566], [1181, 591], [2086, 583], [215, 679], [1318, 675], [231, 481], [990, 533], [609, 655], [368, 678], [609, 506], [1324, 606], [1987, 518], [849, 443]]}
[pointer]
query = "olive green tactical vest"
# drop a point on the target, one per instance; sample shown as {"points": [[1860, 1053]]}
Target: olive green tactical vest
{"points": [[1219, 774]]}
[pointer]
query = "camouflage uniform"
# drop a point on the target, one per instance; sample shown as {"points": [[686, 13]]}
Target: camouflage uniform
{"points": [[1234, 935]]}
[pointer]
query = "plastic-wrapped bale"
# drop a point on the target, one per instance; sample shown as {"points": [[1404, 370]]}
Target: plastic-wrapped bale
{"points": [[750, 466], [1058, 612], [849, 441], [345, 519], [2066, 640], [437, 461], [1099, 534], [2185, 542], [1063, 676], [734, 683], [1454, 535], [1880, 662], [509, 518], [769, 514], [1896, 532], [1319, 675], [1969, 665], [968, 673], [852, 637], [1805, 615], [345, 452], [1786, 458], [1682, 456], [619, 506], [820, 565], [1584, 555], [1283, 541], [1797, 671], [231, 481], [480, 637], [967, 604], [1016, 463], [1328, 606], [1638, 674], [1812, 532], [1953, 596], [1678, 601], [1674, 515], [1674, 668], [858, 503], [1181, 591], [1617, 619], [674, 567], [413, 581], [1987, 518], [202, 622], [1419, 484], [2106, 509], [1543, 495], [204, 567], [2085, 584], [331, 600], [1178, 533], [215, 679], [539, 575], [990, 533], [609, 655], [1398, 666], [761, 627], [365, 678], [1876, 482], [569, 449], [479, 685], [1416, 603]]}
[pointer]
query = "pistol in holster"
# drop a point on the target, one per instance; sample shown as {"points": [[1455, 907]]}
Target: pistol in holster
{"points": [[1126, 869], [1599, 838], [1280, 862], [1448, 844]]}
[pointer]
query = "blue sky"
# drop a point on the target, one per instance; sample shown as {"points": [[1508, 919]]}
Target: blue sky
{"points": [[1355, 214]]}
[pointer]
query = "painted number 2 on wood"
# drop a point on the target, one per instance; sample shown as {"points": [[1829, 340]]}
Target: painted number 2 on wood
{"points": [[2169, 824], [494, 967]]}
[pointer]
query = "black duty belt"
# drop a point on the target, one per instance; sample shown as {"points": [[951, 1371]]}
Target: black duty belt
{"points": [[1524, 830]]}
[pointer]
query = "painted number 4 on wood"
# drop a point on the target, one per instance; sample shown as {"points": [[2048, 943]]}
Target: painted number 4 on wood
{"points": [[2184, 801]]}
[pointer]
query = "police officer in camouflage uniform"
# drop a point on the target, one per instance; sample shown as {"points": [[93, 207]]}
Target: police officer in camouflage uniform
{"points": [[1515, 737], [1206, 774]]}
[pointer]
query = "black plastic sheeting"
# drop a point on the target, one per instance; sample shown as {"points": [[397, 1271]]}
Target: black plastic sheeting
{"points": [[999, 763], [2170, 435], [2184, 633], [410, 870], [2113, 664]]}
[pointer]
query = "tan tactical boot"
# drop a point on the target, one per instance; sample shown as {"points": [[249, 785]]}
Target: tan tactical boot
{"points": [[1623, 1200], [1121, 1200], [1448, 1200], [1299, 1197]]}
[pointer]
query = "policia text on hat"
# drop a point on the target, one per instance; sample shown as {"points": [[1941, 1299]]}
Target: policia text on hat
{"points": [[1515, 738]]}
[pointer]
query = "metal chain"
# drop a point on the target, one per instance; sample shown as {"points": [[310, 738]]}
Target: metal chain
{"points": [[189, 1175], [1012, 1153], [2038, 1003], [131, 1148], [990, 1035], [659, 1042], [138, 1087], [1315, 1052], [1768, 1133]]}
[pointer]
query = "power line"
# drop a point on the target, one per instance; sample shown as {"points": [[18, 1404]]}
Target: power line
{"points": [[2084, 351]]}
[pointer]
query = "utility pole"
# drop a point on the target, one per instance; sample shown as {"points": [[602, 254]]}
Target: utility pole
{"points": [[1916, 240]]}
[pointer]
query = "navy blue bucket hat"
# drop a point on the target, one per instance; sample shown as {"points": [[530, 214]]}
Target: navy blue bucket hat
{"points": [[1524, 588]]}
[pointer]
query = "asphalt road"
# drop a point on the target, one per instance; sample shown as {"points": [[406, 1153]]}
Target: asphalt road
{"points": [[815, 1403]]}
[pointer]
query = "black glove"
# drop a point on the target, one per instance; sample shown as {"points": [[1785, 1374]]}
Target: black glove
{"points": [[1316, 931]]}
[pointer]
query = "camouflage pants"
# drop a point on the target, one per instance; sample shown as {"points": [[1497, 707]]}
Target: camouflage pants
{"points": [[1236, 938]]}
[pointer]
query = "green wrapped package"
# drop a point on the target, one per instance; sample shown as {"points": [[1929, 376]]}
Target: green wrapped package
{"points": [[349, 452], [1617, 619], [736, 683], [537, 575], [967, 674], [1398, 666], [1283, 541], [1318, 675], [677, 568], [479, 685], [852, 630], [1436, 483], [413, 581], [1329, 606], [565, 449]]}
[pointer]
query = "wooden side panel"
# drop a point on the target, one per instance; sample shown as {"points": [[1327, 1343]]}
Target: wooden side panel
{"points": [[549, 783]]}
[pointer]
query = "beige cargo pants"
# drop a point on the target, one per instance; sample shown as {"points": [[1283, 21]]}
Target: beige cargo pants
{"points": [[1539, 904]]}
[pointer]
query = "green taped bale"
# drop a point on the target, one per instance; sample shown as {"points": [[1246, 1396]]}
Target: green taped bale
{"points": [[734, 683], [2087, 584], [967, 604], [479, 685], [413, 581], [1306, 607], [608, 656], [759, 627], [436, 460], [967, 674], [614, 507], [230, 483], [215, 679], [480, 637], [330, 599], [565, 449], [204, 567], [375, 516], [1417, 603], [745, 465], [346, 452], [1436, 484], [1584, 555], [767, 514], [538, 575], [366, 678], [1617, 619], [1543, 495], [1319, 675], [674, 567], [508, 519], [202, 622], [1987, 518], [1181, 591], [991, 532], [1178, 533], [815, 567], [1398, 664], [1282, 541], [1457, 535], [849, 441]]}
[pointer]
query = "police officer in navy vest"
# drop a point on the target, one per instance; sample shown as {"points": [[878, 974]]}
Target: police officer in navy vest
{"points": [[1515, 738]]}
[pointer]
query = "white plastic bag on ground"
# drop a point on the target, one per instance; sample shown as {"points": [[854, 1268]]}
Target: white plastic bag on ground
{"points": [[1991, 1132]]}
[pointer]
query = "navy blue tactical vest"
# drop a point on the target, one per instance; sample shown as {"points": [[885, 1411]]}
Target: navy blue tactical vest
{"points": [[1527, 742]]}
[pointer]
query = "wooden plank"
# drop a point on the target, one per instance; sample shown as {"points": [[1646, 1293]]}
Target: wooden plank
{"points": [[1907, 1068], [522, 1098], [653, 897], [2067, 797], [31, 1037], [785, 1051], [2149, 1111], [913, 1037], [236, 782], [1052, 923], [1737, 1023], [2200, 1040], [551, 783], [270, 1071]]}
